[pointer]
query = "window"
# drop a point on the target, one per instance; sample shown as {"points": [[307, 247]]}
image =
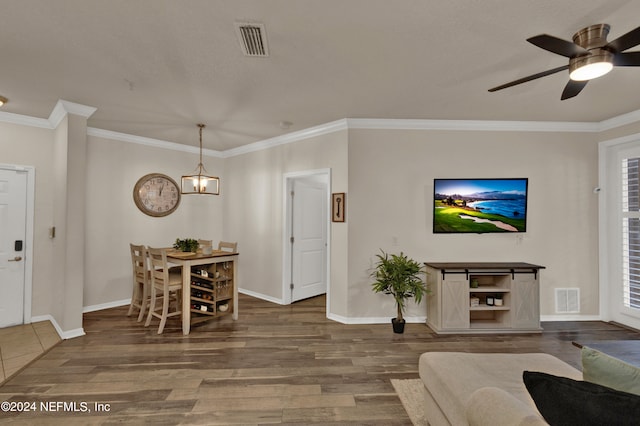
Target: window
{"points": [[619, 230], [631, 232]]}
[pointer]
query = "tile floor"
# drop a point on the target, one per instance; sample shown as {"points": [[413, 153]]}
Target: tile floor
{"points": [[21, 344]]}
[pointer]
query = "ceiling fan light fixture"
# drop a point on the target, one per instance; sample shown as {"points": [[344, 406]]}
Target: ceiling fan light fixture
{"points": [[590, 56], [584, 68], [3, 100], [592, 36]]}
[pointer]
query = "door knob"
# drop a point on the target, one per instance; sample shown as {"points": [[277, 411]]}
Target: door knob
{"points": [[16, 259]]}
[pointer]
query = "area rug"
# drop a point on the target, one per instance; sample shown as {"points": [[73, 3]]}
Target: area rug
{"points": [[411, 394]]}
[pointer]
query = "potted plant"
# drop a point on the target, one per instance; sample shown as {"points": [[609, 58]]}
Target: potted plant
{"points": [[400, 277], [186, 245]]}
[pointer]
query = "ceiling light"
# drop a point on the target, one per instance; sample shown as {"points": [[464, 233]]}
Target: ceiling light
{"points": [[3, 100], [592, 66], [199, 182]]}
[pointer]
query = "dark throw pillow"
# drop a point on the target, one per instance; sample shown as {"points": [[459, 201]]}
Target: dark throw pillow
{"points": [[566, 402]]}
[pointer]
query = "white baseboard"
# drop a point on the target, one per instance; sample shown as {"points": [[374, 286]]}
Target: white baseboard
{"points": [[260, 296], [372, 320], [107, 305], [571, 317], [338, 318], [421, 319], [73, 333], [70, 334], [49, 318]]}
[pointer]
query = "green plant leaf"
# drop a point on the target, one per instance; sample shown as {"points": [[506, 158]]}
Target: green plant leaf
{"points": [[186, 245], [400, 277]]}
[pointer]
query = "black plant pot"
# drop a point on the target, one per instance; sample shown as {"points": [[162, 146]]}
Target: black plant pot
{"points": [[398, 326]]}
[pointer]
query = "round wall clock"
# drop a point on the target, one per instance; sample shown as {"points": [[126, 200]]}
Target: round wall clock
{"points": [[156, 194]]}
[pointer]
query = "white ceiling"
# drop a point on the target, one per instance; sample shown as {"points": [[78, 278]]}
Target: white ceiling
{"points": [[155, 68]]}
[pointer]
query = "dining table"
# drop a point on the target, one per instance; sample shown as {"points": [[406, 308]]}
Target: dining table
{"points": [[189, 260]]}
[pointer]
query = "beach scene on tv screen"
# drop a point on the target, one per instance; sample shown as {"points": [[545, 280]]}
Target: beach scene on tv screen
{"points": [[479, 205]]}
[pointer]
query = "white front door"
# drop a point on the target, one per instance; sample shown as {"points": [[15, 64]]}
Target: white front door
{"points": [[309, 237], [13, 209]]}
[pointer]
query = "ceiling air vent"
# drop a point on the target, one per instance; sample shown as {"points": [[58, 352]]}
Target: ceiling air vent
{"points": [[253, 39]]}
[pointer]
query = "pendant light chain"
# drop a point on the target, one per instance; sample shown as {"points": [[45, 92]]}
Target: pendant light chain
{"points": [[201, 126]]}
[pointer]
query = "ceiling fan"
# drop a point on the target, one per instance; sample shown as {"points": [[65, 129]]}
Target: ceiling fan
{"points": [[590, 56]]}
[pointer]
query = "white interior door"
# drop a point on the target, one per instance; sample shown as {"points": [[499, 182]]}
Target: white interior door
{"points": [[13, 210], [309, 237]]}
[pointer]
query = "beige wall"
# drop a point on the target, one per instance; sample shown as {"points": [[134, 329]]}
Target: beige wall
{"points": [[391, 176], [254, 211], [391, 188], [113, 221], [68, 217], [389, 195], [388, 177]]}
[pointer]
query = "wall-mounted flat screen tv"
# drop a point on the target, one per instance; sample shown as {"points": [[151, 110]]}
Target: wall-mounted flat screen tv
{"points": [[479, 206]]}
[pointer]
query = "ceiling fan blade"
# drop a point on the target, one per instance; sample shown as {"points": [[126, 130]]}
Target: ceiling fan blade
{"points": [[529, 78], [572, 89], [626, 41], [629, 59], [557, 45]]}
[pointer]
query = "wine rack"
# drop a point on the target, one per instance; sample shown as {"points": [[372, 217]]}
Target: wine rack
{"points": [[211, 291]]}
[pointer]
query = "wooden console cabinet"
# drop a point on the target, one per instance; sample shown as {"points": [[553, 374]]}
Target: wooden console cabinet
{"points": [[483, 297]]}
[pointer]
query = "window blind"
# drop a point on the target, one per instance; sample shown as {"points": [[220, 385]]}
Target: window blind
{"points": [[631, 232]]}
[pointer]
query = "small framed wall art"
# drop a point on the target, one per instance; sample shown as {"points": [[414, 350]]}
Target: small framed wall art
{"points": [[338, 206]]}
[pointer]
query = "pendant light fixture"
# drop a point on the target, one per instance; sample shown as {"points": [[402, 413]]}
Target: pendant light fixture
{"points": [[199, 182]]}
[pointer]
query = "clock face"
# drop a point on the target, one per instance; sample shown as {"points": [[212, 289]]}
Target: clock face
{"points": [[156, 194]]}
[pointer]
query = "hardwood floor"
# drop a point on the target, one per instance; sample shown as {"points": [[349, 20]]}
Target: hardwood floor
{"points": [[276, 364]]}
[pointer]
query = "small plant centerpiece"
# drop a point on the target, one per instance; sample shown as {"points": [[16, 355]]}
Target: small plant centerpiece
{"points": [[400, 277], [186, 245]]}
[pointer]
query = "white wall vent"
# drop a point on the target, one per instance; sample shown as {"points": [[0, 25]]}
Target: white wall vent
{"points": [[567, 300], [253, 39]]}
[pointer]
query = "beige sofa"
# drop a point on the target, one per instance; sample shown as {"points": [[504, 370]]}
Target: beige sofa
{"points": [[484, 389]]}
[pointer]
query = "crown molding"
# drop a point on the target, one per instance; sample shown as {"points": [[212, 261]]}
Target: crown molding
{"points": [[323, 129], [58, 113], [156, 143], [407, 124], [25, 120], [473, 125], [63, 108], [620, 120]]}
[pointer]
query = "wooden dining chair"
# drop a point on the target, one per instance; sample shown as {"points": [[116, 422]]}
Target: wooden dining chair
{"points": [[227, 246], [141, 280], [206, 246], [166, 283]]}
